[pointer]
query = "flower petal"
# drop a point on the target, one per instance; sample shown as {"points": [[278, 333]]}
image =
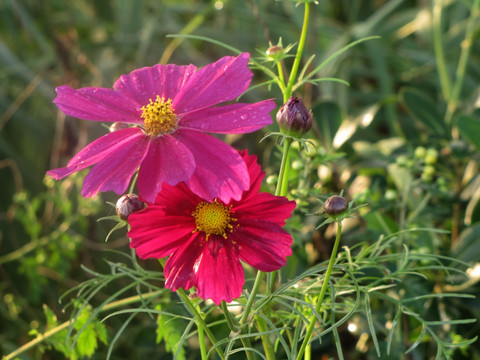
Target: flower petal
{"points": [[117, 168], [265, 206], [255, 172], [262, 244], [213, 267], [148, 82], [178, 197], [220, 171], [97, 104], [221, 81], [168, 160], [96, 151], [156, 232], [179, 268], [230, 119], [218, 273]]}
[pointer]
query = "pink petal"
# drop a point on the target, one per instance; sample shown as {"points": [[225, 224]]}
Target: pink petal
{"points": [[96, 151], [117, 168], [230, 119], [179, 268], [220, 171], [146, 83], [213, 267], [262, 244], [265, 206], [178, 197], [157, 231], [221, 81], [98, 104], [218, 273], [255, 172], [168, 160]]}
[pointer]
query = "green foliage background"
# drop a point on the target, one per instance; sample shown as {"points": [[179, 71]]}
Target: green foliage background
{"points": [[410, 148]]}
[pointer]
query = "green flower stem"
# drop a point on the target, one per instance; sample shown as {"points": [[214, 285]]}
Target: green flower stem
{"points": [[251, 298], [323, 291], [200, 321], [234, 328], [232, 324], [438, 48], [42, 337], [267, 343], [201, 341], [282, 184], [298, 56], [281, 77], [462, 62]]}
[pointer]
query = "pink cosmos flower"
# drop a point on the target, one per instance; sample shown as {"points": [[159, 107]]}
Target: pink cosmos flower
{"points": [[206, 240], [171, 106]]}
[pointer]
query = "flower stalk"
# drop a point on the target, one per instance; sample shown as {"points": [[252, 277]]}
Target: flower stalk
{"points": [[298, 56], [311, 326], [201, 325]]}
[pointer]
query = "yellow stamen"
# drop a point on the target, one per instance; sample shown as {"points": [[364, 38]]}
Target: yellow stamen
{"points": [[213, 218], [159, 117]]}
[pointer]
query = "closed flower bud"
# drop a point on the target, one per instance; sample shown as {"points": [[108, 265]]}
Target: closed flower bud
{"points": [[293, 117], [335, 205], [117, 126], [128, 204]]}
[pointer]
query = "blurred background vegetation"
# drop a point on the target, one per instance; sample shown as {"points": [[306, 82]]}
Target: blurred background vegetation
{"points": [[405, 135]]}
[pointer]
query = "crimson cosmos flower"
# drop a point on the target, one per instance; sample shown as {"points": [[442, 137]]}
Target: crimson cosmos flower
{"points": [[170, 107], [206, 240]]}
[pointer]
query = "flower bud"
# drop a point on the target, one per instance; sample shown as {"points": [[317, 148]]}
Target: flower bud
{"points": [[117, 126], [293, 117], [128, 204], [335, 205]]}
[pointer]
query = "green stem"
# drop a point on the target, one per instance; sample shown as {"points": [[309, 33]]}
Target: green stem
{"points": [[267, 343], [298, 56], [462, 62], [281, 78], [234, 328], [438, 48], [201, 340], [282, 184], [251, 298], [323, 291], [199, 320]]}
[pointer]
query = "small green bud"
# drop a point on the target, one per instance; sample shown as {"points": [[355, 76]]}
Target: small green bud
{"points": [[274, 52], [431, 156], [128, 204], [293, 118], [420, 152], [402, 160], [297, 165], [335, 205], [272, 179], [429, 170]]}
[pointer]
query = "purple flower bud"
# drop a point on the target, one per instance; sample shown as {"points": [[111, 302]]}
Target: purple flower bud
{"points": [[293, 117], [128, 204], [335, 205]]}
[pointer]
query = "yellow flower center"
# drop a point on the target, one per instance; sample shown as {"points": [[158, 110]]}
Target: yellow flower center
{"points": [[159, 117], [213, 218]]}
